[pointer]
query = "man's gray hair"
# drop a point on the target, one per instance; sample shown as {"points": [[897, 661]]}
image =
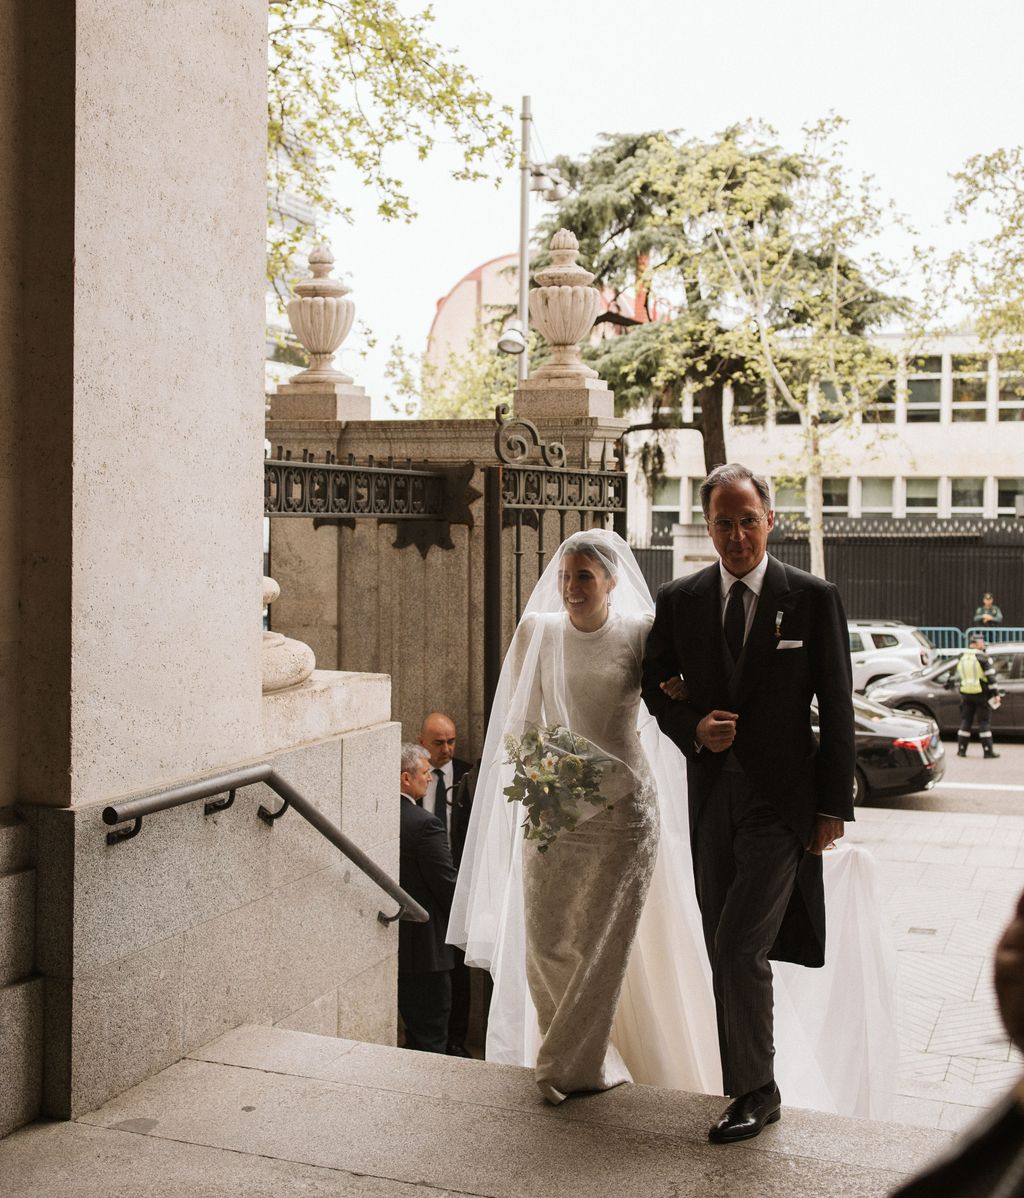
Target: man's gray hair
{"points": [[730, 476], [412, 755]]}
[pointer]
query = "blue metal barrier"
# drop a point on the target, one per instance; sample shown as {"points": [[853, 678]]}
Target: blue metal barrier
{"points": [[996, 634], [943, 638]]}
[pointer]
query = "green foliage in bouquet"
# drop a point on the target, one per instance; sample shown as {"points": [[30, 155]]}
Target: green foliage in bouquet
{"points": [[557, 775]]}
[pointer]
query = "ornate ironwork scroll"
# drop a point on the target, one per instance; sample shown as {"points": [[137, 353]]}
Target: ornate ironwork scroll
{"points": [[515, 439]]}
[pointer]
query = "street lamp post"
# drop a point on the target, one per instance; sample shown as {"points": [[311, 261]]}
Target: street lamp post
{"points": [[524, 235], [532, 177]]}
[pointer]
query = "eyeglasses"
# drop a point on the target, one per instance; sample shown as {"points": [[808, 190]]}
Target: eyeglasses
{"points": [[744, 524]]}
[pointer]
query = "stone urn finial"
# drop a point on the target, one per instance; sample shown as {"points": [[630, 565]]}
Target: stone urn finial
{"points": [[562, 308], [285, 662], [321, 318]]}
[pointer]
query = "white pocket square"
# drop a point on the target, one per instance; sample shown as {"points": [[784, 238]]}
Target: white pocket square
{"points": [[790, 645]]}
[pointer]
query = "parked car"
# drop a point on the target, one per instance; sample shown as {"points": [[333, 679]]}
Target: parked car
{"points": [[897, 754], [932, 693], [879, 648]]}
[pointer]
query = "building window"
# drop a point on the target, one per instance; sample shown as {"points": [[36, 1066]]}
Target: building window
{"points": [[696, 509], [835, 494], [749, 404], [883, 409], [830, 404], [922, 496], [664, 510], [1011, 397], [968, 496], [1007, 490], [924, 389], [970, 387], [876, 496], [790, 499]]}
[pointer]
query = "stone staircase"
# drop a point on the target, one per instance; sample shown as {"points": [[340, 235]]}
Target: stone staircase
{"points": [[266, 1113], [21, 994]]}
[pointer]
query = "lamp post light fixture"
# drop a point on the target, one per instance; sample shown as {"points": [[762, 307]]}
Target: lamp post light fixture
{"points": [[513, 338], [548, 183]]}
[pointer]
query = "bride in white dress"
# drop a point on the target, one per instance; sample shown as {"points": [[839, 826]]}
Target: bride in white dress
{"points": [[591, 930]]}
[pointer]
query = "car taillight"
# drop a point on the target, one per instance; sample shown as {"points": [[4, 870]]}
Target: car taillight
{"points": [[920, 743]]}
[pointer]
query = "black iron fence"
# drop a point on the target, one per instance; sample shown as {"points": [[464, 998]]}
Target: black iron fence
{"points": [[305, 487]]}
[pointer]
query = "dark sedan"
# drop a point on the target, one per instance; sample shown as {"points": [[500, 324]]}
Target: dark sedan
{"points": [[932, 692], [897, 754]]}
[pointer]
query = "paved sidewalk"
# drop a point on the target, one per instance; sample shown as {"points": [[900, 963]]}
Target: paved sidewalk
{"points": [[951, 881]]}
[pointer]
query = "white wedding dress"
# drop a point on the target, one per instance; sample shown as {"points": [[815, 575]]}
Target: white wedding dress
{"points": [[595, 945]]}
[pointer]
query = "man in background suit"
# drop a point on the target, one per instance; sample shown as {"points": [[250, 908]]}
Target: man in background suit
{"points": [[988, 1159], [754, 641], [427, 873], [450, 797]]}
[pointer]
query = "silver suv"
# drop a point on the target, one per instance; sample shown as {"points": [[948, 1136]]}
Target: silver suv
{"points": [[879, 648]]}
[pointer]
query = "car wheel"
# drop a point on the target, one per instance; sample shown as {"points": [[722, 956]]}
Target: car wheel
{"points": [[860, 786], [916, 709]]}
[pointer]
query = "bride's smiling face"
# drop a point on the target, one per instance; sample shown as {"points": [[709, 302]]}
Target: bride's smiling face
{"points": [[585, 586]]}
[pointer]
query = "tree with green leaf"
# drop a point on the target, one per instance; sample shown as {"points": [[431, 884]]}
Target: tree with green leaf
{"points": [[991, 269], [349, 80], [464, 385], [790, 258]]}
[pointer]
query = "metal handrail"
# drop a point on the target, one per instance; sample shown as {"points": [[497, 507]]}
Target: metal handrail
{"points": [[191, 792]]}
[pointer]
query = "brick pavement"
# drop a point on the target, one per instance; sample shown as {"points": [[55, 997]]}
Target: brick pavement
{"points": [[951, 879]]}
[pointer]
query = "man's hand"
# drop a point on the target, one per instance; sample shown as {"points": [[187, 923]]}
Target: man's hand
{"points": [[675, 688], [717, 730], [1010, 977], [827, 831]]}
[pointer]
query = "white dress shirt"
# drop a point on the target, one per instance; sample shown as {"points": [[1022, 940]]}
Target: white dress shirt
{"points": [[753, 581]]}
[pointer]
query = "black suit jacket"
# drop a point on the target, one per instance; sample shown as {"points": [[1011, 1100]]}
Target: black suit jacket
{"points": [[425, 871], [772, 695], [983, 1157], [461, 798]]}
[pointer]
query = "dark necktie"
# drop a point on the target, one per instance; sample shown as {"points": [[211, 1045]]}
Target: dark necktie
{"points": [[735, 620], [439, 803]]}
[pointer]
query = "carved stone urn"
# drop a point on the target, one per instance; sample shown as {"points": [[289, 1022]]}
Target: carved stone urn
{"points": [[321, 318], [562, 308], [285, 662]]}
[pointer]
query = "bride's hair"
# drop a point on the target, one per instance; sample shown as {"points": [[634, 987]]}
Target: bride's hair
{"points": [[601, 554]]}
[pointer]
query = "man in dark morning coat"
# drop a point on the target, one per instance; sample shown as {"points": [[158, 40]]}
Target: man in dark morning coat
{"points": [[988, 1159], [427, 873], [451, 791], [754, 641]]}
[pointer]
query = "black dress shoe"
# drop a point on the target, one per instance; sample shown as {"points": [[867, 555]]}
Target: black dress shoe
{"points": [[457, 1050], [745, 1116]]}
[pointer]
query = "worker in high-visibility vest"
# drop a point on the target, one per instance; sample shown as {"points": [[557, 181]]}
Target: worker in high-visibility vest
{"points": [[976, 681]]}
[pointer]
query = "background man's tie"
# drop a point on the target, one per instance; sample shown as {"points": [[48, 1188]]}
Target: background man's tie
{"points": [[440, 808], [735, 620]]}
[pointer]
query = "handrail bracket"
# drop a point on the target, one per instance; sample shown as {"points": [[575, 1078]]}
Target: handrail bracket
{"points": [[120, 834], [269, 816]]}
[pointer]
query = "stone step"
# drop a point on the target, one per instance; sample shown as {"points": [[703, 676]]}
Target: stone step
{"points": [[16, 842], [21, 1053], [17, 925], [265, 1111]]}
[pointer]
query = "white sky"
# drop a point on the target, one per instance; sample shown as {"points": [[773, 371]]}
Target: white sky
{"points": [[924, 84]]}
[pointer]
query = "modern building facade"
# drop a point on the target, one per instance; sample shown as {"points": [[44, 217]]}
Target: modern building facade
{"points": [[946, 440]]}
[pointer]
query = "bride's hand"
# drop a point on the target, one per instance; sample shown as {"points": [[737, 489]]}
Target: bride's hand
{"points": [[675, 687]]}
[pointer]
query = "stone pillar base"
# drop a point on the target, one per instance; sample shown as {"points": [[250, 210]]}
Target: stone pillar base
{"points": [[320, 401], [554, 398]]}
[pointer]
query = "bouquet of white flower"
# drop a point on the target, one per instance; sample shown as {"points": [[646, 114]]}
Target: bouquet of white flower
{"points": [[557, 778]]}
